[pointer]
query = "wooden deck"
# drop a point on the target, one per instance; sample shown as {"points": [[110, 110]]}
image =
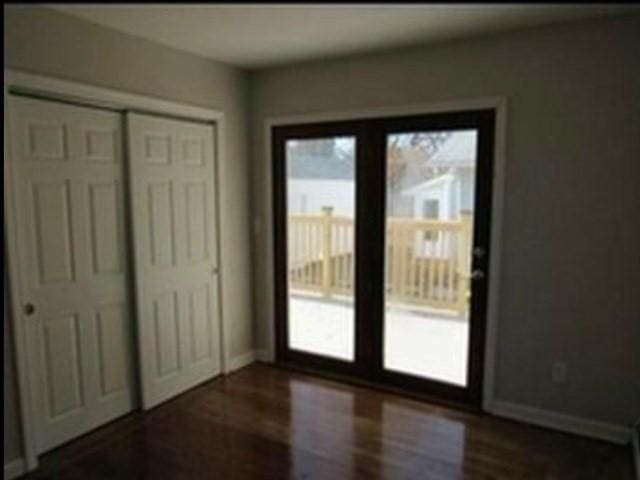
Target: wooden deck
{"points": [[427, 261], [266, 423]]}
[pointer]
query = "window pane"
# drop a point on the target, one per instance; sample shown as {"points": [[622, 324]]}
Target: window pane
{"points": [[430, 195], [321, 243]]}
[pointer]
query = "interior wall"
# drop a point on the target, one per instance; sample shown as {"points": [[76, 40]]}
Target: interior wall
{"points": [[570, 265], [43, 41]]}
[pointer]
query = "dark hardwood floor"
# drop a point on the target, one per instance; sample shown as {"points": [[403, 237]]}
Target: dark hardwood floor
{"points": [[267, 423]]}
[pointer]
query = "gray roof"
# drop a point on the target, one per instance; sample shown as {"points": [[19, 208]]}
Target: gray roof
{"points": [[458, 150], [320, 167]]}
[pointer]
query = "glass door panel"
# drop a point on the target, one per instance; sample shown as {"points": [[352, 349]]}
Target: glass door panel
{"points": [[430, 189], [320, 231]]}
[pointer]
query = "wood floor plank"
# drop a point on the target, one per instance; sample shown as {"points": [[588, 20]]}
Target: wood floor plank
{"points": [[268, 423]]}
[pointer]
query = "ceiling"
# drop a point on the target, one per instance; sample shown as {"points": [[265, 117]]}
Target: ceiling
{"points": [[262, 35]]}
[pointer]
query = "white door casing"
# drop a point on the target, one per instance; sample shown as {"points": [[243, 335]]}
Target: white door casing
{"points": [[73, 257], [172, 178]]}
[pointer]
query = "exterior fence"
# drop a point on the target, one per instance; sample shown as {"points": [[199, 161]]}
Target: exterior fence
{"points": [[427, 261]]}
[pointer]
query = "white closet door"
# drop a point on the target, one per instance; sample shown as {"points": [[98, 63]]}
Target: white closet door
{"points": [[71, 231], [173, 206]]}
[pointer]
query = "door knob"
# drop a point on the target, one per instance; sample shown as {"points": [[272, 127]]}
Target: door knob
{"points": [[477, 275], [479, 252], [29, 308]]}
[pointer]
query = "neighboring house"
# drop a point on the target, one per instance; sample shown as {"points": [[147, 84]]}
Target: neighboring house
{"points": [[439, 188], [435, 199], [445, 195], [320, 174], [320, 177], [311, 195], [450, 189]]}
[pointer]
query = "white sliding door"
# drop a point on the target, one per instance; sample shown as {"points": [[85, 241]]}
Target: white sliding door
{"points": [[173, 211], [73, 266]]}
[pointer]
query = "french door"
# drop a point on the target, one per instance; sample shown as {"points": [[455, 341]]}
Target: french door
{"points": [[381, 249]]}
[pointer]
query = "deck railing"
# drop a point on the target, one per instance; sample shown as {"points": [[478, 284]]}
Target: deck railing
{"points": [[427, 261]]}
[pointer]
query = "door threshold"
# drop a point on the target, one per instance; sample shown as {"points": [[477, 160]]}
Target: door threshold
{"points": [[381, 387]]}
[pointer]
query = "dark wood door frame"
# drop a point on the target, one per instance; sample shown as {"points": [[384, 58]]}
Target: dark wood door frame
{"points": [[283, 353], [370, 177]]}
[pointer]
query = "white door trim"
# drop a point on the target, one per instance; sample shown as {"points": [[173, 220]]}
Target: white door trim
{"points": [[100, 97], [14, 469], [105, 97], [499, 104]]}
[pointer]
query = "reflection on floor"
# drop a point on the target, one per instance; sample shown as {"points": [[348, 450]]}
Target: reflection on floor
{"points": [[426, 343], [264, 423]]}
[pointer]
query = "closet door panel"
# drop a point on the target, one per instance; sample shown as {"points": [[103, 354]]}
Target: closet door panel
{"points": [[172, 187], [68, 165]]}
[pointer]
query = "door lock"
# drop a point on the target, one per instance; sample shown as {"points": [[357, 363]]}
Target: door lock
{"points": [[477, 275], [29, 309], [479, 252]]}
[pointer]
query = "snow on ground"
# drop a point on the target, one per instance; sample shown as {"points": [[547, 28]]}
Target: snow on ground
{"points": [[424, 343]]}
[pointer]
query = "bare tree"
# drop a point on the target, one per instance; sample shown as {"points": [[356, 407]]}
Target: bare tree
{"points": [[405, 149]]}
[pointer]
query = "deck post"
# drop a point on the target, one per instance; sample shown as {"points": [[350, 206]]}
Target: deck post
{"points": [[326, 250]]}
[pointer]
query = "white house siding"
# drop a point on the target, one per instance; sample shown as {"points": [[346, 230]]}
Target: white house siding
{"points": [[444, 192], [467, 183], [309, 196]]}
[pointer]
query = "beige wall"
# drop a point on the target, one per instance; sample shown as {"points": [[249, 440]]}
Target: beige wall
{"points": [[47, 42], [570, 262]]}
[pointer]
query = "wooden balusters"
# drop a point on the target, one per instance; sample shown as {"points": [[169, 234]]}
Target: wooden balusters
{"points": [[427, 261], [326, 250]]}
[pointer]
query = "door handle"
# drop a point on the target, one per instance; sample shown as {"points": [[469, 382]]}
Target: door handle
{"points": [[477, 275], [214, 270], [479, 252], [29, 309]]}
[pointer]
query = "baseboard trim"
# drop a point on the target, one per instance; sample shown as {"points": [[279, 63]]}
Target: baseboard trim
{"points": [[241, 361], [14, 469], [562, 422], [523, 413]]}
